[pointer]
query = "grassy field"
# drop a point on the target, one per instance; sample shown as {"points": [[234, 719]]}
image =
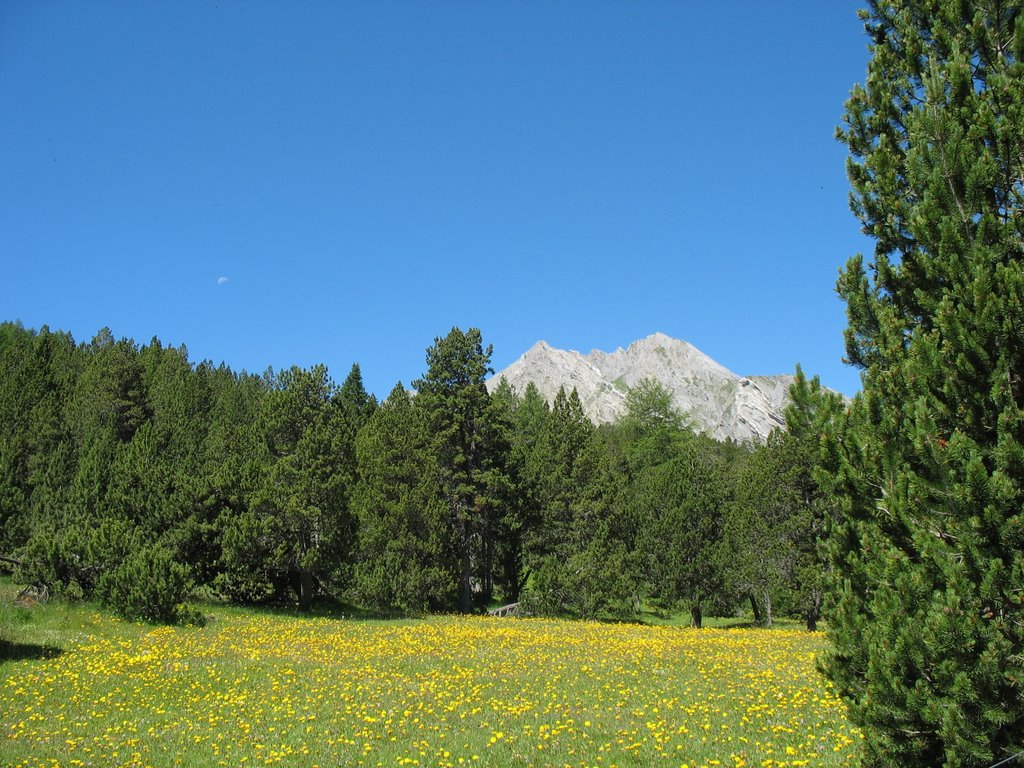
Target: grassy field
{"points": [[251, 688]]}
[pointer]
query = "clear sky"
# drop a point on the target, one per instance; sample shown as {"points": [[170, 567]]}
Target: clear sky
{"points": [[277, 183]]}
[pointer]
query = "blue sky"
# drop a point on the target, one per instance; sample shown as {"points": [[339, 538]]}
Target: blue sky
{"points": [[295, 183]]}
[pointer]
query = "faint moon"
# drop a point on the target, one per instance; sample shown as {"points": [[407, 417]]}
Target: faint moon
{"points": [[221, 280]]}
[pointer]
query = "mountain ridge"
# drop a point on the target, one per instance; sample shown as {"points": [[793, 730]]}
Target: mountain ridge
{"points": [[717, 401]]}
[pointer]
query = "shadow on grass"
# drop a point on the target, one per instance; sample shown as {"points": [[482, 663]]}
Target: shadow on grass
{"points": [[323, 608], [10, 651], [744, 625]]}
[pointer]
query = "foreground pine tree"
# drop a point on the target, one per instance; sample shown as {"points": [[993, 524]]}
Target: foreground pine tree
{"points": [[928, 544]]}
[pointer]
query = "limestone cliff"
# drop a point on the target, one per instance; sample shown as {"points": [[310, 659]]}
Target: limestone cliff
{"points": [[713, 398]]}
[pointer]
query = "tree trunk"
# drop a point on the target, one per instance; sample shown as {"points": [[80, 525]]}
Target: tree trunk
{"points": [[755, 608], [488, 565], [487, 576], [696, 615], [305, 590], [814, 613], [520, 583], [767, 609], [465, 574]]}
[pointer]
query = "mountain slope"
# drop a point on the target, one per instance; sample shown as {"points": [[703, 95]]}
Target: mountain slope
{"points": [[715, 399]]}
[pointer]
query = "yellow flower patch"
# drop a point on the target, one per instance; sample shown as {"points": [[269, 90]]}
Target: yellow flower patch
{"points": [[260, 690]]}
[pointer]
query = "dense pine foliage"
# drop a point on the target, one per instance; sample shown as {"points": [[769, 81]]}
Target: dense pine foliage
{"points": [[927, 467], [134, 477]]}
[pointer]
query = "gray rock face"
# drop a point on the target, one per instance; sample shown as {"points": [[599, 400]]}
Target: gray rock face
{"points": [[715, 400]]}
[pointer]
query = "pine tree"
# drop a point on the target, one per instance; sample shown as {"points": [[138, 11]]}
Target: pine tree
{"points": [[755, 528], [36, 451], [928, 464], [110, 392], [579, 549], [405, 551], [234, 463], [776, 522], [600, 573], [653, 426], [555, 470], [466, 443], [297, 520], [354, 406], [680, 511], [812, 412], [522, 419]]}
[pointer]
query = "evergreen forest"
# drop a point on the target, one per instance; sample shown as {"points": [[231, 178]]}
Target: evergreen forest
{"points": [[133, 477]]}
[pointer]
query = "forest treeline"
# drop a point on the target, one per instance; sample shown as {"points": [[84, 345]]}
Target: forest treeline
{"points": [[132, 476]]}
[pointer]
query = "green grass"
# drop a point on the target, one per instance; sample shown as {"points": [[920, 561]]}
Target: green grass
{"points": [[43, 631], [263, 688]]}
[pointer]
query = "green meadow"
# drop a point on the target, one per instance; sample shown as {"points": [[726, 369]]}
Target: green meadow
{"points": [[81, 688]]}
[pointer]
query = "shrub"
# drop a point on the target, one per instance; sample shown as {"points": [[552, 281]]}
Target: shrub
{"points": [[149, 585]]}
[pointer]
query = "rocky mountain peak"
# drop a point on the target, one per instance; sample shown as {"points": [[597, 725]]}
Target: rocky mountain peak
{"points": [[716, 400]]}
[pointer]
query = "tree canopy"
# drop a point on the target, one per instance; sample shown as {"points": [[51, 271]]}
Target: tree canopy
{"points": [[927, 465]]}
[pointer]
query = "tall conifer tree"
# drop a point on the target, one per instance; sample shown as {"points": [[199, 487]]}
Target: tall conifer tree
{"points": [[467, 445], [298, 522], [928, 545], [405, 550]]}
